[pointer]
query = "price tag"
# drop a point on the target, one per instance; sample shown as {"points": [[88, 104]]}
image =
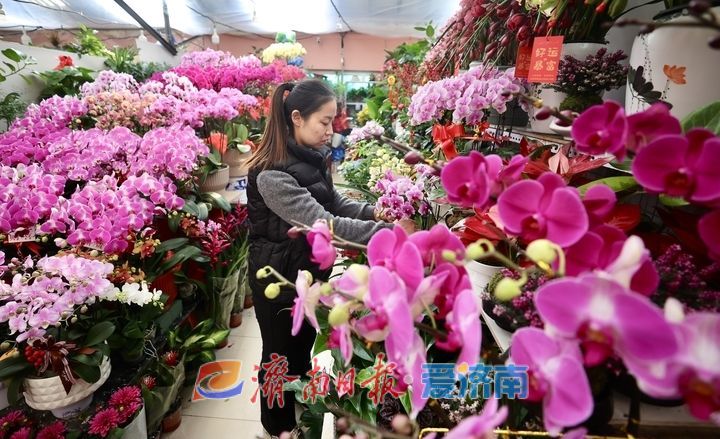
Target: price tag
{"points": [[545, 59]]}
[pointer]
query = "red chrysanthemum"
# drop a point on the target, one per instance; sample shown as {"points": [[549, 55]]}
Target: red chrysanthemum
{"points": [[104, 422], [56, 430], [125, 396]]}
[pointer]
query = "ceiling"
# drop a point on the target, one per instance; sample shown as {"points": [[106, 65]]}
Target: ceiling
{"points": [[391, 18]]}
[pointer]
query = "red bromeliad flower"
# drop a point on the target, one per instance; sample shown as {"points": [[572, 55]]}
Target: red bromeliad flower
{"points": [[149, 381], [171, 358]]}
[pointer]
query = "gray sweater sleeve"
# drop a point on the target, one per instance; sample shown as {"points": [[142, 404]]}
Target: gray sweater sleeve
{"points": [[343, 206], [291, 202]]}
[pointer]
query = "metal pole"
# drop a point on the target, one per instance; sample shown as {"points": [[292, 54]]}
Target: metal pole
{"points": [[167, 45]]}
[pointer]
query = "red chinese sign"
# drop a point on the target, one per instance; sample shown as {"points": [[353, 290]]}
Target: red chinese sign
{"points": [[522, 62], [382, 382], [275, 378], [319, 384], [546, 53]]}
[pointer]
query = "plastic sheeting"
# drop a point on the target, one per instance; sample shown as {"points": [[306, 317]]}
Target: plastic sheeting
{"points": [[392, 18]]}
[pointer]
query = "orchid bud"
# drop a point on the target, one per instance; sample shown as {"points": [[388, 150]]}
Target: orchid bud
{"points": [[272, 291], [401, 424], [339, 315], [449, 256], [294, 233], [73, 319], [4, 346], [413, 158], [542, 250], [474, 251], [44, 239], [544, 113], [94, 253], [83, 309], [326, 289], [262, 273], [308, 276], [507, 289]]}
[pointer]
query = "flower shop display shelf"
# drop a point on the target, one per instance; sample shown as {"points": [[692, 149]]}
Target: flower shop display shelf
{"points": [[517, 134]]}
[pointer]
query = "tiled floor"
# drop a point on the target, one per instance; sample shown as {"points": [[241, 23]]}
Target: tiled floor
{"points": [[235, 418]]}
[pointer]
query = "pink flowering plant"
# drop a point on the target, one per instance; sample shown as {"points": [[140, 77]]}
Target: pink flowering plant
{"points": [[121, 408]]}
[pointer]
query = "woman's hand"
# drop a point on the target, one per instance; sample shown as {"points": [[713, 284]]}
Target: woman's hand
{"points": [[407, 225]]}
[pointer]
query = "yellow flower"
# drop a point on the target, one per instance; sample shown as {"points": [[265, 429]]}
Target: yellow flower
{"points": [[391, 80]]}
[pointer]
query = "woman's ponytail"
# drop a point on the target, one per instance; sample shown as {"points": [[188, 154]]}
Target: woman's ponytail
{"points": [[306, 97], [272, 148]]}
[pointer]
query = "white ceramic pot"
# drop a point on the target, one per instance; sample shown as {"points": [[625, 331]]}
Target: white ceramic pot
{"points": [[552, 98], [49, 393], [480, 275], [216, 180], [682, 47]]}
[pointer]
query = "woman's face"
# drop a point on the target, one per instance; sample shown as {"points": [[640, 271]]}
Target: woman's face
{"points": [[316, 130]]}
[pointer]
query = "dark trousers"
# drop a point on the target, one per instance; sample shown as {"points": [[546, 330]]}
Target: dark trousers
{"points": [[275, 324]]}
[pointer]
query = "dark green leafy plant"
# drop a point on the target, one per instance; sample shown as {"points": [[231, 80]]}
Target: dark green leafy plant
{"points": [[122, 60], [11, 107], [65, 82]]}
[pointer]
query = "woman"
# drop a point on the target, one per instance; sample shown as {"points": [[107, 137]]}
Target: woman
{"points": [[289, 181]]}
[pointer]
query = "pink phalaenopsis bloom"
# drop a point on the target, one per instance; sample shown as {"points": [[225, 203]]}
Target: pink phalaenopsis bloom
{"points": [[709, 229], [681, 166], [466, 180], [480, 426], [606, 249], [306, 301], [463, 325], [543, 208], [601, 129], [320, 239], [648, 125], [599, 202], [605, 317], [556, 377], [432, 243], [393, 250]]}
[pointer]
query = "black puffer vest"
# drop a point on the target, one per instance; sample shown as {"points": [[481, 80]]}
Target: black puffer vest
{"points": [[269, 242]]}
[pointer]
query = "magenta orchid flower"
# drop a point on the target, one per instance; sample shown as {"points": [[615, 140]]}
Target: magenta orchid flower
{"points": [[305, 302], [464, 331], [606, 249], [480, 426], [320, 239], [543, 208], [648, 125], [681, 166], [354, 281], [501, 176], [393, 250], [455, 280], [599, 202], [431, 244], [341, 338], [601, 129], [709, 230], [556, 377], [606, 317], [466, 180]]}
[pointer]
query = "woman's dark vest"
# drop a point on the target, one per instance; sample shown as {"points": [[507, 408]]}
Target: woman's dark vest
{"points": [[269, 242]]}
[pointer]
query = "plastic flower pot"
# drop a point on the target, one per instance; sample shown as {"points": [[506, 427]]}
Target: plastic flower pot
{"points": [[224, 288], [172, 421], [236, 319], [49, 393], [216, 180]]}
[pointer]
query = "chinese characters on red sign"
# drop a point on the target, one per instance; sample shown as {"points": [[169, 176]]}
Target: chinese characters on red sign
{"points": [[545, 59], [522, 62]]}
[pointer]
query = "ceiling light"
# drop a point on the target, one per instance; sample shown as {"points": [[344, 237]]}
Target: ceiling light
{"points": [[215, 38]]}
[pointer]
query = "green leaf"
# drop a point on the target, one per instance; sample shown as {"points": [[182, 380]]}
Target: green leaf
{"points": [[361, 352], [13, 389], [132, 330], [672, 201], [191, 207], [617, 184], [12, 366], [405, 401], [90, 360], [706, 117], [171, 244], [217, 200], [116, 433], [364, 374], [89, 373], [320, 344], [13, 54], [203, 211], [181, 256], [294, 386], [10, 66], [99, 333]]}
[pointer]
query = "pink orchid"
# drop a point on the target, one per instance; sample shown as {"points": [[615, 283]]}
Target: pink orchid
{"points": [[601, 129], [543, 208], [341, 337], [320, 239], [456, 280], [305, 302], [354, 281], [556, 376], [648, 125], [681, 166], [502, 176], [466, 180], [480, 426], [393, 250], [709, 229], [464, 330], [605, 317], [433, 242], [599, 202], [606, 249]]}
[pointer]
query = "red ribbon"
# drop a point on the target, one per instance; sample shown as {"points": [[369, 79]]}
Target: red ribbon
{"points": [[444, 136]]}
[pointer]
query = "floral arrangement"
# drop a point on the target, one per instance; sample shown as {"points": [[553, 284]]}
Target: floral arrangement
{"points": [[400, 197], [122, 407], [17, 425], [585, 80], [285, 50], [468, 96], [370, 130], [578, 22]]}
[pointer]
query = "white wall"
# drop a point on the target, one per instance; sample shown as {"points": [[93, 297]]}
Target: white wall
{"points": [[154, 52], [46, 59]]}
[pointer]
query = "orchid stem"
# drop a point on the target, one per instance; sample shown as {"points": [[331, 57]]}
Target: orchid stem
{"points": [[367, 425], [431, 330]]}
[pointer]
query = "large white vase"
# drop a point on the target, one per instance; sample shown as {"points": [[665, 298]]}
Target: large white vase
{"points": [[552, 98], [679, 47]]}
